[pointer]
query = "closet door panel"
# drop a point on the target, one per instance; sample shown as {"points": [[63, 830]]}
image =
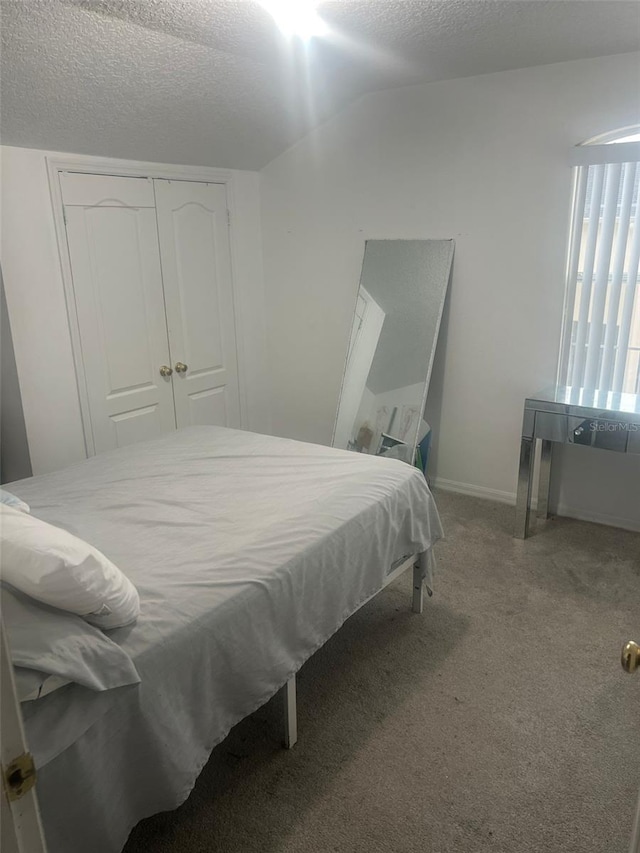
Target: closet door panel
{"points": [[196, 268], [208, 407], [81, 190], [117, 281]]}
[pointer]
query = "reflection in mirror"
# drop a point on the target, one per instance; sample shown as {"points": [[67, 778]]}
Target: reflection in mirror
{"points": [[393, 339]]}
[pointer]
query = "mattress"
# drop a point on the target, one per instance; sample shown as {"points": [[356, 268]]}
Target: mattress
{"points": [[248, 552]]}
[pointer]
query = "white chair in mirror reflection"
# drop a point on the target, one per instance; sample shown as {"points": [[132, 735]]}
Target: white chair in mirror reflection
{"points": [[390, 354]]}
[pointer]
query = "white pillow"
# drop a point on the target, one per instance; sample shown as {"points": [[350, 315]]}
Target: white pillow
{"points": [[55, 567], [11, 500]]}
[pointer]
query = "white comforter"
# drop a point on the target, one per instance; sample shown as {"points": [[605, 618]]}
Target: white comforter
{"points": [[248, 553]]}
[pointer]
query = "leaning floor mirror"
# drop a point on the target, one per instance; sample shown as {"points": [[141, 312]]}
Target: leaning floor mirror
{"points": [[393, 340]]}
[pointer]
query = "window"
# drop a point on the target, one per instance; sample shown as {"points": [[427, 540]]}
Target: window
{"points": [[601, 338]]}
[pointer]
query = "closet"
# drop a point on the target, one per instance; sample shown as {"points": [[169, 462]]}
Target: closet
{"points": [[153, 292]]}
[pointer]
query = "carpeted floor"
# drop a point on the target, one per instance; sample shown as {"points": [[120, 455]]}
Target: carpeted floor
{"points": [[499, 720]]}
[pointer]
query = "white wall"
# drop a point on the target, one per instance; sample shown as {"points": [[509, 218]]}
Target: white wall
{"points": [[482, 160], [37, 308]]}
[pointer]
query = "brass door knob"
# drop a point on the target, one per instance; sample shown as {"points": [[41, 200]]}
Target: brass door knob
{"points": [[165, 370], [181, 368], [630, 657]]}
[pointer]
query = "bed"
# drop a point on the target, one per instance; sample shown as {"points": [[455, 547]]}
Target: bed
{"points": [[248, 552]]}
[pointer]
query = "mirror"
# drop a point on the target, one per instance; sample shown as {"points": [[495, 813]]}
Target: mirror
{"points": [[391, 347]]}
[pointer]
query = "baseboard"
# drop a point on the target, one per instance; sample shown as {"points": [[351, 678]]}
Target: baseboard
{"points": [[474, 491], [599, 518], [632, 524]]}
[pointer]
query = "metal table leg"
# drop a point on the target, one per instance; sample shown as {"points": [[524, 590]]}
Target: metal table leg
{"points": [[523, 498], [544, 480]]}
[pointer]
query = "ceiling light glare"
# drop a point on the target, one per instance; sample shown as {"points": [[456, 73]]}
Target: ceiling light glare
{"points": [[296, 18]]}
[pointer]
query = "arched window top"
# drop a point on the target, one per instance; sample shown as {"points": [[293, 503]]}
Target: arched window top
{"points": [[616, 146], [631, 133]]}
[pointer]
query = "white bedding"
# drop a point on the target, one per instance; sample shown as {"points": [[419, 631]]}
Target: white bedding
{"points": [[248, 553]]}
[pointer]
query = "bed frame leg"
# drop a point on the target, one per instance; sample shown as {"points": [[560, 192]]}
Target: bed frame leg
{"points": [[290, 713], [418, 586]]}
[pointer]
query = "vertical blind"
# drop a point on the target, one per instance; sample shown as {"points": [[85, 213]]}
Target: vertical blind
{"points": [[601, 340]]}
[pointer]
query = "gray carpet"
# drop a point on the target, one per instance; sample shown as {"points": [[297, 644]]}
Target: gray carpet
{"points": [[499, 720]]}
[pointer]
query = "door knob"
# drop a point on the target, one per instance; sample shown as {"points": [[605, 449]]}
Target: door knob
{"points": [[181, 368], [165, 370], [630, 657]]}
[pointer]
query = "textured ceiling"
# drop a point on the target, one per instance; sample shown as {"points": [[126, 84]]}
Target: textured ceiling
{"points": [[212, 82]]}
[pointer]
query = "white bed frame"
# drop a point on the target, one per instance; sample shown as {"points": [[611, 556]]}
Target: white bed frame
{"points": [[419, 563]]}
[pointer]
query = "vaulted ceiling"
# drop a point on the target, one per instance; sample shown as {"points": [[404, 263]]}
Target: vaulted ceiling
{"points": [[213, 82]]}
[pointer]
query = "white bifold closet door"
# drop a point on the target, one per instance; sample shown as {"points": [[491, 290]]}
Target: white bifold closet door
{"points": [[117, 281], [196, 268], [152, 285]]}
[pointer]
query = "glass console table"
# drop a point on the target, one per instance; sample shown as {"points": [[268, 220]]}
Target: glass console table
{"points": [[570, 416]]}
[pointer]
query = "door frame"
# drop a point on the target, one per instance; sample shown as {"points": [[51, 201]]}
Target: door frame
{"points": [[22, 830], [90, 165]]}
